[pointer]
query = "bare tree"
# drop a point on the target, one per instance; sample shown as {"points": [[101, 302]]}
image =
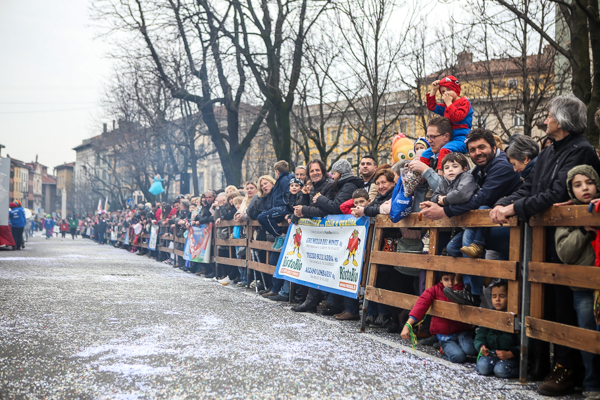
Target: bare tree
{"points": [[182, 36], [575, 35], [370, 80], [320, 115]]}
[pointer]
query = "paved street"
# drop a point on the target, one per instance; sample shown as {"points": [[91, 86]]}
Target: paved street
{"points": [[83, 321]]}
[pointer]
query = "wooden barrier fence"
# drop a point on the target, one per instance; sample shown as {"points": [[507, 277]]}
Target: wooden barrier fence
{"points": [[541, 272], [432, 262]]}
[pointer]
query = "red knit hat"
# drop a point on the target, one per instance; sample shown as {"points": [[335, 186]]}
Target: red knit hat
{"points": [[12, 205], [451, 83]]}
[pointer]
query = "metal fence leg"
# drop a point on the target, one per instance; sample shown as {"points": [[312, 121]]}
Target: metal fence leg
{"points": [[292, 292], [255, 282], [525, 302], [363, 318]]}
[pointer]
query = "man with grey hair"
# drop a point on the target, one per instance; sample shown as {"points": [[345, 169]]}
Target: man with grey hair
{"points": [[547, 185]]}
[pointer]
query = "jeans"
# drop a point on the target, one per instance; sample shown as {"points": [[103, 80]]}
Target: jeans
{"points": [[458, 347], [583, 302], [270, 220], [285, 289], [101, 237], [375, 309], [243, 275], [496, 239], [501, 368], [352, 305]]}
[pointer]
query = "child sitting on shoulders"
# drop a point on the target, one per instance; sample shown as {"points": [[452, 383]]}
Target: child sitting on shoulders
{"points": [[499, 350], [457, 109], [575, 245], [455, 337]]}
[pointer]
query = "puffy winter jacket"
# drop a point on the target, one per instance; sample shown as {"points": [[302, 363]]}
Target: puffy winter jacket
{"points": [[325, 188], [497, 340], [372, 210], [292, 200], [252, 210], [547, 182], [17, 217], [346, 186], [204, 216], [281, 188], [459, 191], [439, 326], [496, 180]]}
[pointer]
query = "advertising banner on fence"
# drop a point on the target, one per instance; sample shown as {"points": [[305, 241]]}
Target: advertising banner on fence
{"points": [[153, 237], [197, 244], [325, 253]]}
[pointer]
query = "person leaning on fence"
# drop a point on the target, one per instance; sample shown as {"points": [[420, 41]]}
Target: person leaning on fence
{"points": [[496, 178], [367, 169], [271, 218], [178, 226], [545, 186], [455, 338], [241, 215], [522, 152], [574, 246], [228, 211], [378, 315], [205, 216], [439, 133]]}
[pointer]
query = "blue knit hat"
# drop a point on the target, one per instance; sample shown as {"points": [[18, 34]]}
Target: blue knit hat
{"points": [[422, 141]]}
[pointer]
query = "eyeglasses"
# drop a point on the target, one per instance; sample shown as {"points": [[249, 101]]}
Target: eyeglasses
{"points": [[430, 138]]}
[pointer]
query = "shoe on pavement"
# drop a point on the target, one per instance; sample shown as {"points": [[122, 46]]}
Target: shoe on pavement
{"points": [[370, 319], [278, 243], [329, 311], [473, 250], [558, 383], [304, 308], [346, 316], [268, 294], [209, 277], [382, 321], [225, 281], [430, 341], [242, 284], [463, 297], [278, 297]]}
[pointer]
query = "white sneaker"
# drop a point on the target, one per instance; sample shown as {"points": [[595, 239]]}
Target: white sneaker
{"points": [[225, 281]]}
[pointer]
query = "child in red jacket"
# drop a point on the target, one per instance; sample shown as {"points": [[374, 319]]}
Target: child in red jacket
{"points": [[457, 109], [360, 198], [455, 337]]}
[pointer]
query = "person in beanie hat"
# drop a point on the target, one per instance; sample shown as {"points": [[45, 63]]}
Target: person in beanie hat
{"points": [[580, 246], [17, 223], [457, 109], [344, 184]]}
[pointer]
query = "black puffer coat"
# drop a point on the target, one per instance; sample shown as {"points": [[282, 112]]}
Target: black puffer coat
{"points": [[325, 188], [372, 210], [346, 186]]}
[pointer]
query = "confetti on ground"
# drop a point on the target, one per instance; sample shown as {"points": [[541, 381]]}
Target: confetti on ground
{"points": [[80, 320]]}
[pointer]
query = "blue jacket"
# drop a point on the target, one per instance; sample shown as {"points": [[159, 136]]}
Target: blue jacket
{"points": [[49, 223], [17, 217], [279, 192], [496, 180]]}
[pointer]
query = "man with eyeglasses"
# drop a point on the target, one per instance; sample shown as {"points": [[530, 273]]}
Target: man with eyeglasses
{"points": [[439, 132]]}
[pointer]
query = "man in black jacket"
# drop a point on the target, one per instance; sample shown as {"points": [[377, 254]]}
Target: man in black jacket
{"points": [[545, 186]]}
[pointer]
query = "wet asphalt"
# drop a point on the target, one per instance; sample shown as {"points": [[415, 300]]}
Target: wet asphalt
{"points": [[84, 321]]}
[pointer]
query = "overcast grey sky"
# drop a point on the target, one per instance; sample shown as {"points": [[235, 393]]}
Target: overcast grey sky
{"points": [[51, 79]]}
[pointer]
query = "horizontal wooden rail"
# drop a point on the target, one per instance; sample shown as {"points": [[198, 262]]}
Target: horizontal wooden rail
{"points": [[566, 216], [471, 315], [472, 219], [262, 267], [565, 335], [581, 276], [231, 242], [489, 268]]}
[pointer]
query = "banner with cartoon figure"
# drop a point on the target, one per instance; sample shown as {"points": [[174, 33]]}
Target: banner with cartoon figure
{"points": [[325, 253], [197, 244], [153, 237]]}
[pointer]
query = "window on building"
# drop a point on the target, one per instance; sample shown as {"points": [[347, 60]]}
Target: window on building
{"points": [[201, 182], [104, 174], [403, 126], [332, 135], [518, 120], [513, 83], [350, 134]]}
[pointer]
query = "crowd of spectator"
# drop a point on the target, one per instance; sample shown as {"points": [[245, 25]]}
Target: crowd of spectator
{"points": [[460, 169]]}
